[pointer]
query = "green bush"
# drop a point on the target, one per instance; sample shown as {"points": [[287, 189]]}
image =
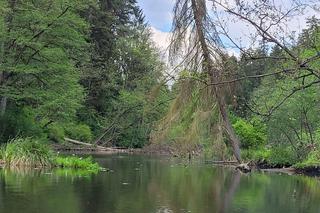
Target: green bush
{"points": [[262, 155], [79, 132], [56, 133], [313, 160], [250, 136], [77, 163], [257, 155], [282, 156], [274, 157], [19, 121], [2, 152], [27, 152]]}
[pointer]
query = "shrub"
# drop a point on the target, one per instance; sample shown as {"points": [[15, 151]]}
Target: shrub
{"points": [[79, 132], [313, 160], [56, 133], [282, 156], [262, 155], [250, 136], [274, 157], [19, 121], [257, 155], [27, 152], [77, 163]]}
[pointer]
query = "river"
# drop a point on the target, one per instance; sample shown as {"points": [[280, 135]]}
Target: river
{"points": [[144, 184]]}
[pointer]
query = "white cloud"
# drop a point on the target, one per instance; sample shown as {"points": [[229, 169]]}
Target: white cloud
{"points": [[161, 39], [158, 13]]}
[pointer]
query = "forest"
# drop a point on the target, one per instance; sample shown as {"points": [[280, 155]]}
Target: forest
{"points": [[90, 71]]}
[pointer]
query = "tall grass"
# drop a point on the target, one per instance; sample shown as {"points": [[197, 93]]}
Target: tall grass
{"points": [[27, 152]]}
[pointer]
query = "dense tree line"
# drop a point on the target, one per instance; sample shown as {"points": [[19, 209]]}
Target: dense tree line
{"points": [[88, 70], [82, 69]]}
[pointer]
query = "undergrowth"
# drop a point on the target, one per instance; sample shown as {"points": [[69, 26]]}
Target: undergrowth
{"points": [[29, 152]]}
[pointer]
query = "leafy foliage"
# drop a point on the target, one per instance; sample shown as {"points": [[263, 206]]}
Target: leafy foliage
{"points": [[74, 68], [312, 161], [77, 163], [250, 136], [79, 132]]}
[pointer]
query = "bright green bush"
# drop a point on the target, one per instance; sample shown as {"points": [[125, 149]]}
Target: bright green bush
{"points": [[262, 155], [257, 155], [275, 156], [250, 136], [27, 152], [79, 132], [77, 163]]}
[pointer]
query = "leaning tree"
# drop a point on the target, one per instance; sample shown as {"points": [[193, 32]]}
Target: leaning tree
{"points": [[196, 36], [198, 32]]}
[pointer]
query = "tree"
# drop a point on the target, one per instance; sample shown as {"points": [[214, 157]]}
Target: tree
{"points": [[193, 25], [43, 51], [124, 68], [267, 21]]}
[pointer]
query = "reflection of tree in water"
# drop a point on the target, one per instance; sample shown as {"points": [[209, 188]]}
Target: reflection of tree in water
{"points": [[229, 195], [155, 185], [194, 189], [36, 190]]}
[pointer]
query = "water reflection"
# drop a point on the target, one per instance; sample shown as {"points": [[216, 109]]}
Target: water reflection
{"points": [[143, 184]]}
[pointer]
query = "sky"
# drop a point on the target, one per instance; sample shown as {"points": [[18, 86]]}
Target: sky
{"points": [[158, 13], [159, 16]]}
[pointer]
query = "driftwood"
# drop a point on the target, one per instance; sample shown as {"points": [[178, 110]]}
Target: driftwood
{"points": [[222, 162], [93, 146], [244, 167], [86, 144]]}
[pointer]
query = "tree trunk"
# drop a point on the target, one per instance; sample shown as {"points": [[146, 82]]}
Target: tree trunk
{"points": [[214, 75]]}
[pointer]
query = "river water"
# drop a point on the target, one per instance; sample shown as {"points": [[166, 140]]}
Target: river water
{"points": [[144, 184]]}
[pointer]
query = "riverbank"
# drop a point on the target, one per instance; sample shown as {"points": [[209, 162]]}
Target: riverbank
{"points": [[82, 149], [257, 160], [28, 152]]}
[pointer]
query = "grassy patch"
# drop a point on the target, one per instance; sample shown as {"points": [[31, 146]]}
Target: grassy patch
{"points": [[27, 152], [77, 163]]}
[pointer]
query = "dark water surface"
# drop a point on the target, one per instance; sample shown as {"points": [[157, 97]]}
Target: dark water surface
{"points": [[141, 184]]}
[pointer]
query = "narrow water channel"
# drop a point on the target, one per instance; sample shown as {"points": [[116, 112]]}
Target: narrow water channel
{"points": [[144, 184]]}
